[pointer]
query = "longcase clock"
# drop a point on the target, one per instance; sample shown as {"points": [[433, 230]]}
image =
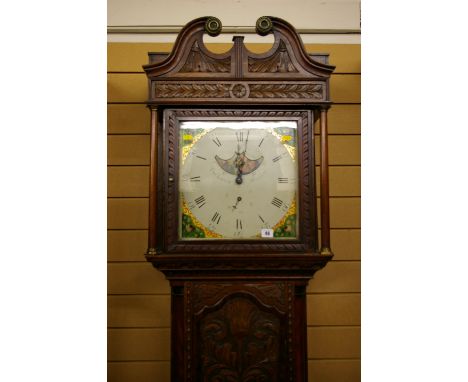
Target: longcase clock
{"points": [[233, 215]]}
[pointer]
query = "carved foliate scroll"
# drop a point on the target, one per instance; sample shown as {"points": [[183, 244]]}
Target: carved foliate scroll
{"points": [[192, 90], [241, 343], [198, 61], [280, 62], [307, 91], [265, 90]]}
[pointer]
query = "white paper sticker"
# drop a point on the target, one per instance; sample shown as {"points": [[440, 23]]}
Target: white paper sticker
{"points": [[267, 232]]}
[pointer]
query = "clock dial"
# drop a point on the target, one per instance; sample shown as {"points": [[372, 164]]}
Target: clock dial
{"points": [[238, 180]]}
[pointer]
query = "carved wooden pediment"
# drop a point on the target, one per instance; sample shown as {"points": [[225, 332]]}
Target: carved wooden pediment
{"points": [[199, 61], [279, 62], [191, 73]]}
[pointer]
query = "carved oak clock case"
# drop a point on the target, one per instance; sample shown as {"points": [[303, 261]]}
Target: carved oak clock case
{"points": [[233, 215]]}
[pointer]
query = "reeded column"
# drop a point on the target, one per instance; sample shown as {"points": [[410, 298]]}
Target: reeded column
{"points": [[152, 223], [324, 191]]}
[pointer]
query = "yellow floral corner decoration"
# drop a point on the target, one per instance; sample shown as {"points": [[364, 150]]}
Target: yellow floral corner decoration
{"points": [[189, 140], [288, 142], [286, 227], [191, 226]]}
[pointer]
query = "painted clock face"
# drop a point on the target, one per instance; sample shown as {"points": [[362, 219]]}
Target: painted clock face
{"points": [[238, 180]]}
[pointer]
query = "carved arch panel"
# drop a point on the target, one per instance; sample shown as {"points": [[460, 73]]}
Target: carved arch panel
{"points": [[240, 335]]}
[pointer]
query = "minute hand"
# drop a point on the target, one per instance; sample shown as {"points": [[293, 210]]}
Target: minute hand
{"points": [[246, 141]]}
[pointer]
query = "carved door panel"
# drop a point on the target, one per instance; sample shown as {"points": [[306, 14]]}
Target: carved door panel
{"points": [[241, 332], [240, 341]]}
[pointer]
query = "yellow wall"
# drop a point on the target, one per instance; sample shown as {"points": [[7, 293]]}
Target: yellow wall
{"points": [[139, 300]]}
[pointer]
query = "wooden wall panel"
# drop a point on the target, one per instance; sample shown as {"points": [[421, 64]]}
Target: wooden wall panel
{"points": [[345, 88], [127, 87], [128, 119], [343, 119], [138, 344], [346, 244], [344, 180], [334, 309], [128, 149], [334, 342], [345, 212], [127, 245], [133, 87], [342, 150], [135, 278], [337, 277], [127, 213], [138, 311], [129, 181], [334, 370], [129, 57], [152, 371]]}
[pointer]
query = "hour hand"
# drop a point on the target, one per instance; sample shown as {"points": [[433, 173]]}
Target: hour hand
{"points": [[230, 165]]}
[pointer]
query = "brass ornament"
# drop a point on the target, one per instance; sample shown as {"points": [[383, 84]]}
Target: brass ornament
{"points": [[213, 26], [264, 25]]}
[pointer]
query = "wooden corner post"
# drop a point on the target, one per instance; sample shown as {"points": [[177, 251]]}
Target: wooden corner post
{"points": [[152, 223], [324, 183]]}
